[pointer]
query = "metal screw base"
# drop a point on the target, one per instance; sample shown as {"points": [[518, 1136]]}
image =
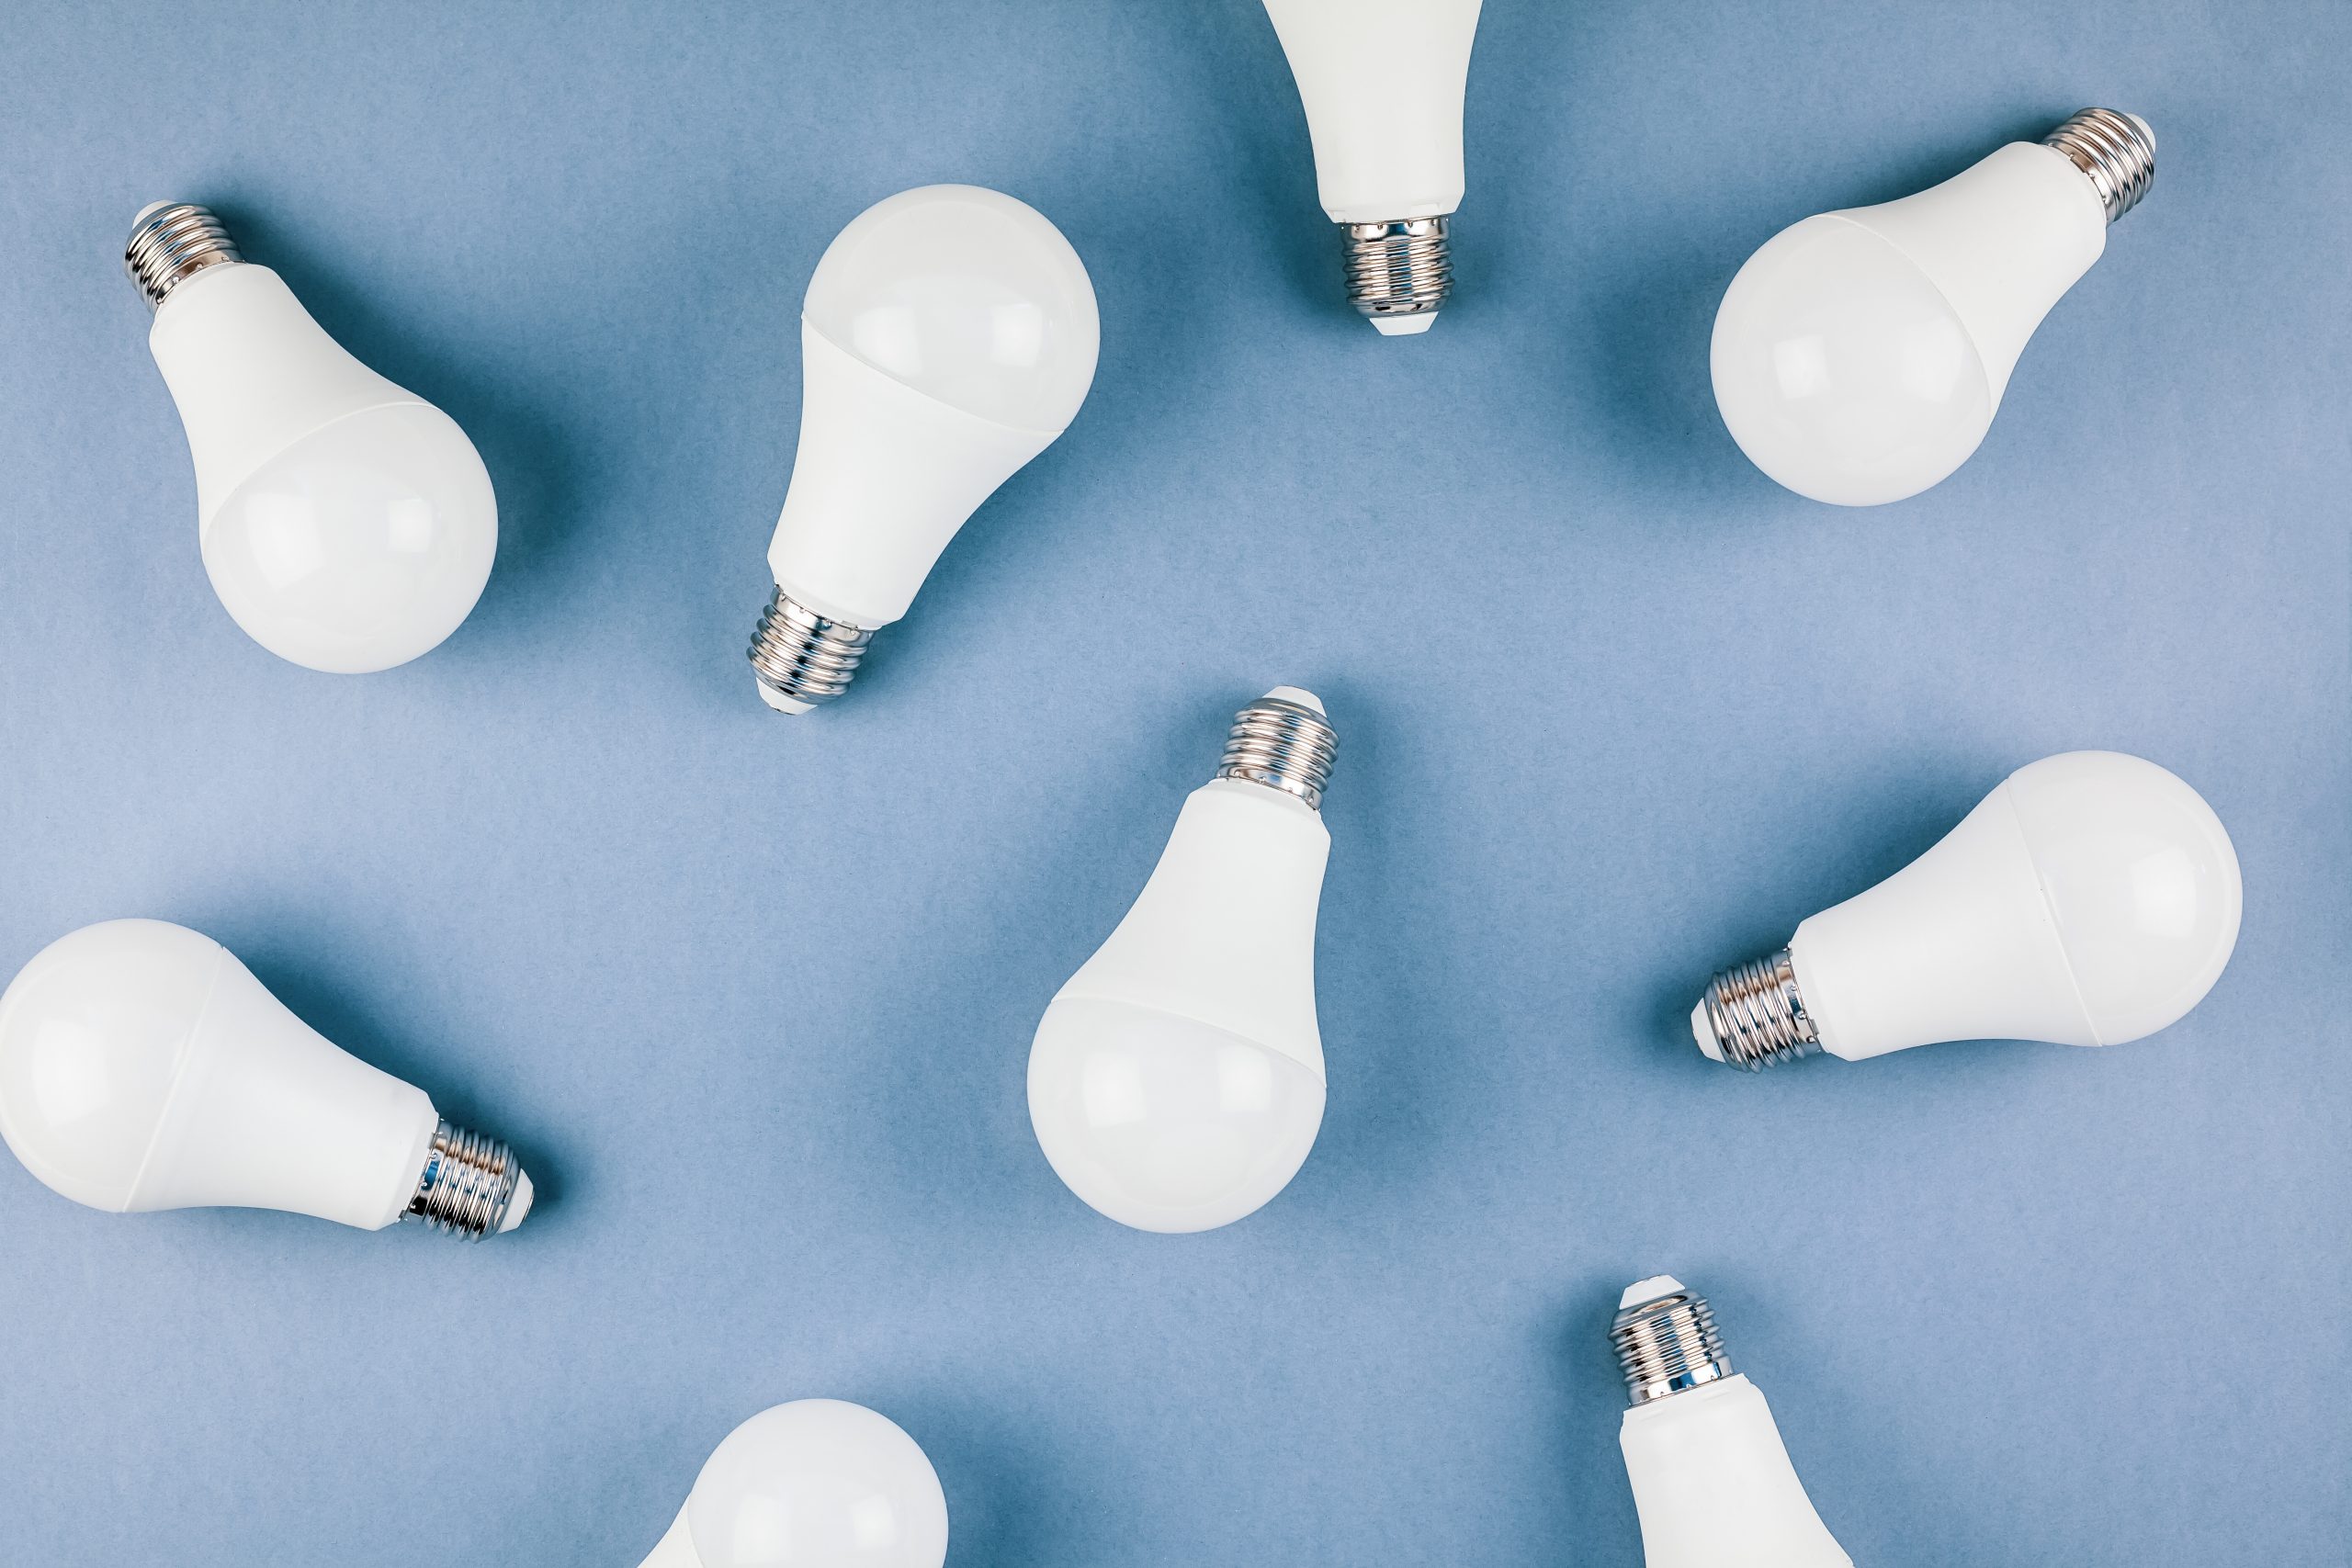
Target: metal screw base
{"points": [[469, 1183], [1758, 1015], [801, 658], [1399, 273], [1667, 1345], [171, 242], [2117, 153], [1283, 745]]}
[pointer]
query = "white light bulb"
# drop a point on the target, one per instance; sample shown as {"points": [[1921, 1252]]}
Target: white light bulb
{"points": [[1859, 356], [1711, 1479], [1176, 1081], [948, 337], [347, 525], [814, 1484], [2092, 898], [1382, 81], [142, 1068]]}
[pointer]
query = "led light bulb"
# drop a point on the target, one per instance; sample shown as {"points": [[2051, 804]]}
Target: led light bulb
{"points": [[1176, 1081], [814, 1484], [1711, 1479], [948, 336], [347, 525], [1382, 81], [2092, 898], [142, 1066], [1859, 356]]}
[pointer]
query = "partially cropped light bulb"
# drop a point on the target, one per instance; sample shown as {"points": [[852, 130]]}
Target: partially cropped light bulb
{"points": [[2091, 899], [1711, 1479], [948, 337], [814, 1484], [347, 525], [1859, 356], [142, 1066], [1176, 1082], [1383, 81]]}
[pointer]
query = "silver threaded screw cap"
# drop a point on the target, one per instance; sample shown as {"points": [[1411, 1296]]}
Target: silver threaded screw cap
{"points": [[1666, 1340], [1398, 273], [170, 243], [1283, 742], [2117, 153], [801, 657], [471, 1186], [1757, 1014]]}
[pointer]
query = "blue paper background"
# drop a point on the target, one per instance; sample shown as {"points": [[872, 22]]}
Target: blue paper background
{"points": [[753, 995]]}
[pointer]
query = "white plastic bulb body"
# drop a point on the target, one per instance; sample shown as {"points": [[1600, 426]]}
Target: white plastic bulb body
{"points": [[2092, 898], [347, 525], [1860, 356], [1712, 1483], [814, 1484], [1382, 82], [1176, 1080], [143, 1067], [949, 335]]}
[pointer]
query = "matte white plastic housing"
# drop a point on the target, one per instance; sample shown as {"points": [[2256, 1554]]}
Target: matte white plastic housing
{"points": [[814, 1484], [2091, 899], [142, 1066], [1714, 1485], [1382, 81], [1860, 356], [948, 337], [347, 525], [1176, 1081]]}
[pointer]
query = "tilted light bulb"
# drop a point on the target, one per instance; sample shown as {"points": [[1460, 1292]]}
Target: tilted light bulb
{"points": [[142, 1068], [1382, 81], [949, 335], [1711, 1479], [347, 525], [2091, 899], [814, 1484], [1859, 356], [1176, 1081]]}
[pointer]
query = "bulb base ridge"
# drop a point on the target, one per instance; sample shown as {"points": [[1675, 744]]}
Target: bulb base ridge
{"points": [[1398, 273], [1667, 1345], [1282, 745], [1758, 1014], [2117, 153], [171, 242], [801, 657], [469, 1183]]}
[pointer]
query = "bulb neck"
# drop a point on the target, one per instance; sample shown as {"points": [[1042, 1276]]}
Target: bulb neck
{"points": [[469, 1185], [2117, 153], [802, 658], [1758, 1015], [1667, 1345], [171, 242], [1282, 745], [1398, 273]]}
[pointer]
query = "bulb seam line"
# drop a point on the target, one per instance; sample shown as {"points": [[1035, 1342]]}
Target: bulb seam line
{"points": [[179, 1071], [406, 400], [1321, 1076], [2050, 912], [1994, 393]]}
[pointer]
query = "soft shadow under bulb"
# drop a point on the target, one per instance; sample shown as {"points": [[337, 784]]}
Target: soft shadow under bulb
{"points": [[948, 337], [814, 1484], [1711, 1479], [2091, 899], [142, 1068], [1859, 356], [1176, 1081], [347, 525]]}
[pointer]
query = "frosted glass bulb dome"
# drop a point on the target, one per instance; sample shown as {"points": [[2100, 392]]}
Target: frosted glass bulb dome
{"points": [[814, 1484], [347, 525], [1859, 356], [948, 337]]}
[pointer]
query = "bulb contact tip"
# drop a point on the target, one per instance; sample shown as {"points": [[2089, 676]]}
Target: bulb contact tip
{"points": [[471, 1186], [1283, 742], [2117, 153], [1398, 273], [800, 657], [1754, 1017], [1666, 1341], [170, 243]]}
